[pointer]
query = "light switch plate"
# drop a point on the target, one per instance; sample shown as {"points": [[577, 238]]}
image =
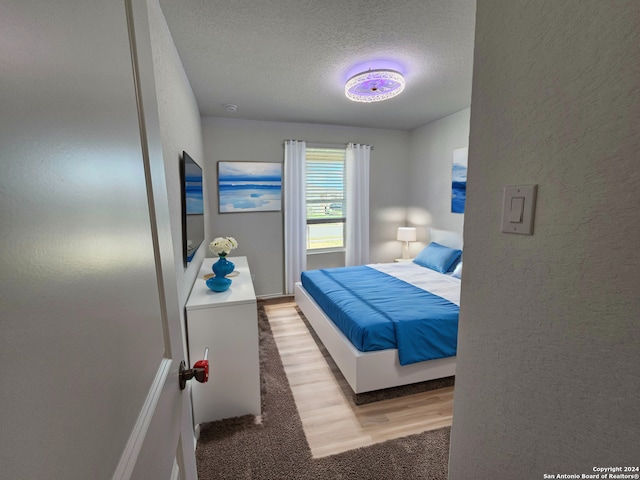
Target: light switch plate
{"points": [[518, 209]]}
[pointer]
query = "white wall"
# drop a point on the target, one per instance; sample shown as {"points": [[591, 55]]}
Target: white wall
{"points": [[260, 234], [181, 130], [548, 370], [430, 175]]}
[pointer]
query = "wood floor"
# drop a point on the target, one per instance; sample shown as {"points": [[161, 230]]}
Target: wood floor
{"points": [[332, 422]]}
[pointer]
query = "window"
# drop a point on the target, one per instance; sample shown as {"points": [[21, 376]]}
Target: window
{"points": [[325, 202]]}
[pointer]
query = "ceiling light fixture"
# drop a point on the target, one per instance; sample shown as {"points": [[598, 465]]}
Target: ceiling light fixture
{"points": [[374, 85], [230, 108]]}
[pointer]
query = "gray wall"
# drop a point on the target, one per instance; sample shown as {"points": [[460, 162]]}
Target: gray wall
{"points": [[260, 235], [181, 130], [430, 176], [548, 369]]}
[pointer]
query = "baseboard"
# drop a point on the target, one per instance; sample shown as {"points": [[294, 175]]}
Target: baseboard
{"points": [[277, 298]]}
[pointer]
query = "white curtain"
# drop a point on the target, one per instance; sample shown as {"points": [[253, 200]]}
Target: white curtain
{"points": [[357, 227], [295, 214]]}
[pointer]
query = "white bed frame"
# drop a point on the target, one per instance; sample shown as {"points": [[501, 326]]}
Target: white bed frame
{"points": [[367, 371]]}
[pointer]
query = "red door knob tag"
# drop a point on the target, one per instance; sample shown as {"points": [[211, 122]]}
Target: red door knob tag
{"points": [[204, 365]]}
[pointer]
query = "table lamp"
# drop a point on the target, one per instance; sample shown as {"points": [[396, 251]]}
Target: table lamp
{"points": [[406, 235]]}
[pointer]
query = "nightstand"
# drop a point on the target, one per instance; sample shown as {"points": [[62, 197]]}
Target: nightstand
{"points": [[403, 259]]}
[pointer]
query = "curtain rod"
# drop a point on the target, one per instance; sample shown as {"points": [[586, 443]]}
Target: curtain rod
{"points": [[325, 145]]}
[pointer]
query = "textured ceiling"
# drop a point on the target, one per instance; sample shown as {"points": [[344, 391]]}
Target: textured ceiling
{"points": [[288, 60]]}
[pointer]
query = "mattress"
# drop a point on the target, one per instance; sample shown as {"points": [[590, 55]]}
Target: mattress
{"points": [[382, 306]]}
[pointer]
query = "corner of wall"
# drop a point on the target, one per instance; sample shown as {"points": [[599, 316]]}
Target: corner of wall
{"points": [[429, 174]]}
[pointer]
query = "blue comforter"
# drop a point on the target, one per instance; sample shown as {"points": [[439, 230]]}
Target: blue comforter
{"points": [[377, 311]]}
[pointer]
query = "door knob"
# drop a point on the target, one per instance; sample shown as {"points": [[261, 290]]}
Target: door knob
{"points": [[200, 371]]}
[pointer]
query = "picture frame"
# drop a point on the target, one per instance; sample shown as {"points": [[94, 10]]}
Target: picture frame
{"points": [[459, 179], [245, 186]]}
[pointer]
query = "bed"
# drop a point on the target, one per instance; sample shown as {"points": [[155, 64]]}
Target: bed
{"points": [[375, 322]]}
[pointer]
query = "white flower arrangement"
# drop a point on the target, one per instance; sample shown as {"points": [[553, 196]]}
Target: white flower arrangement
{"points": [[223, 245]]}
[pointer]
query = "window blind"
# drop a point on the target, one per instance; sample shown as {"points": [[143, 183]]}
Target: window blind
{"points": [[325, 179], [325, 198]]}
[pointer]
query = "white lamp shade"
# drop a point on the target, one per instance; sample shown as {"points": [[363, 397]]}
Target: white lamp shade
{"points": [[407, 234]]}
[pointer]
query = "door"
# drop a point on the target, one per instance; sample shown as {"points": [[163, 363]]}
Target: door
{"points": [[90, 340]]}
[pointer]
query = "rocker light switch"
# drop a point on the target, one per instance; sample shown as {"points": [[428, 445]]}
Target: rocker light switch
{"points": [[518, 209]]}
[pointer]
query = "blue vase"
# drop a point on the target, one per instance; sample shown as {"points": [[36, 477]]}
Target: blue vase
{"points": [[221, 269]]}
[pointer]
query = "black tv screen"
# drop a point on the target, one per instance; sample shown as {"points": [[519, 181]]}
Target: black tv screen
{"points": [[192, 207]]}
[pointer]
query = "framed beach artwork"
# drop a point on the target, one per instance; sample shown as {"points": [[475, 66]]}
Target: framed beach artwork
{"points": [[249, 187], [459, 180]]}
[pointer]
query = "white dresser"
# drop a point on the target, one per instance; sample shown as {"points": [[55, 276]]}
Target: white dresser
{"points": [[227, 323]]}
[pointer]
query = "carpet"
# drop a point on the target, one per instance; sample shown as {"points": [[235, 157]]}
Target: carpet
{"points": [[275, 447]]}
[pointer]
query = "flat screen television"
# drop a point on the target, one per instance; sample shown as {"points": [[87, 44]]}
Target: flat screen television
{"points": [[192, 207]]}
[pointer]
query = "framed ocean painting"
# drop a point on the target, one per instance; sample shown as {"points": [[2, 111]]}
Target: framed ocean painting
{"points": [[249, 187], [459, 180]]}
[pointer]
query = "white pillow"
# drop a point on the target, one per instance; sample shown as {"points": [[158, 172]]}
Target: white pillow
{"points": [[457, 272]]}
